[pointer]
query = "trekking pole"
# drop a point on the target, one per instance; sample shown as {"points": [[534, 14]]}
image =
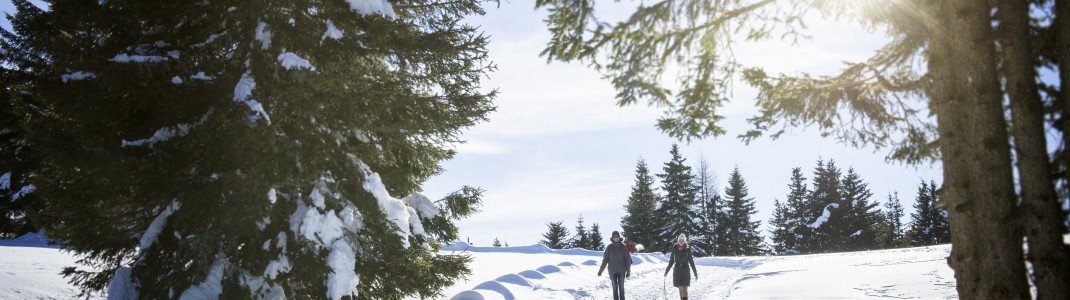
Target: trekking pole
{"points": [[664, 294]]}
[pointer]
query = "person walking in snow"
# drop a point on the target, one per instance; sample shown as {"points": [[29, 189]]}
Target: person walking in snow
{"points": [[680, 257], [620, 265]]}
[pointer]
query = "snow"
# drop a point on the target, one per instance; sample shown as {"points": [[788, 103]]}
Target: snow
{"points": [[396, 210], [138, 58], [278, 266], [332, 32], [80, 75], [370, 7], [162, 134], [201, 76], [121, 287], [824, 215], [272, 195], [25, 190], [424, 206], [263, 35], [5, 181], [343, 279], [290, 61], [243, 91], [212, 285], [149, 237], [176, 80], [536, 272]]}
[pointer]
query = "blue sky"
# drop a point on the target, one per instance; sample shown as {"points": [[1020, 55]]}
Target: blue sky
{"points": [[558, 147]]}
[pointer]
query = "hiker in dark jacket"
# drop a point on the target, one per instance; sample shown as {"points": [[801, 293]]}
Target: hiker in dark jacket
{"points": [[680, 257], [620, 265]]}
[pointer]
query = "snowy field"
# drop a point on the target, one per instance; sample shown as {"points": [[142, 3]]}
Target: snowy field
{"points": [[535, 272]]}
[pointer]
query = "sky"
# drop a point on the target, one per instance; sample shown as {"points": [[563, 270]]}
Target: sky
{"points": [[559, 148]]}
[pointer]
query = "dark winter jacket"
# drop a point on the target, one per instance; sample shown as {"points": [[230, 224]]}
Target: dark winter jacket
{"points": [[618, 259], [684, 263]]}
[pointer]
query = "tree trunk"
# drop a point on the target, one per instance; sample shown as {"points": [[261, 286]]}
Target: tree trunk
{"points": [[1062, 42], [1040, 211], [978, 192]]}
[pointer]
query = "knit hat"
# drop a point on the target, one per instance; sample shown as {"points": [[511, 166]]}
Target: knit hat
{"points": [[682, 237], [616, 234]]}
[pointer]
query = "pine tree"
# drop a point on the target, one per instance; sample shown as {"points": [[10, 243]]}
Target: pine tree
{"points": [[893, 216], [556, 236], [496, 243], [263, 149], [711, 212], [597, 243], [782, 234], [928, 222], [860, 214], [677, 212], [741, 234], [823, 209], [640, 223], [582, 239], [795, 217], [17, 168]]}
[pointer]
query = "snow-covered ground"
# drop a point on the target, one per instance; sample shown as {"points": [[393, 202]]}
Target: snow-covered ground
{"points": [[535, 272]]}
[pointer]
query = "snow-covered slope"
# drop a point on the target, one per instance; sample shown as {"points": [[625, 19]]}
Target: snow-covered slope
{"points": [[535, 272]]}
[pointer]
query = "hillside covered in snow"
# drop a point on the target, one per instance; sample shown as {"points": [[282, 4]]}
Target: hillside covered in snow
{"points": [[28, 271]]}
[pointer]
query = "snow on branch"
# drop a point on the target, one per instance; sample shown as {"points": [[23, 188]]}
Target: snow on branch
{"points": [[824, 215], [290, 61], [80, 75], [370, 7]]}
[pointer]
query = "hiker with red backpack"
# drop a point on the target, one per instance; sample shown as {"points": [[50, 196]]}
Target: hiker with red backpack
{"points": [[619, 260]]}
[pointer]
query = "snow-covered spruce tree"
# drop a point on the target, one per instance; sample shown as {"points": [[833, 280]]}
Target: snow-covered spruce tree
{"points": [[496, 243], [640, 223], [861, 216], [677, 212], [823, 209], [582, 239], [741, 234], [18, 202], [235, 149], [556, 236], [597, 243]]}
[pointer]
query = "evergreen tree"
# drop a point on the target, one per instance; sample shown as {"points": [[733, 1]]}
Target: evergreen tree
{"points": [[582, 239], [741, 234], [677, 212], [556, 236], [928, 222], [861, 216], [597, 243], [893, 216], [711, 212], [17, 166], [823, 209], [496, 243], [640, 223], [794, 214], [782, 233], [264, 149]]}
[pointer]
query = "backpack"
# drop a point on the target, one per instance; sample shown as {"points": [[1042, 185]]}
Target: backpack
{"points": [[630, 246]]}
